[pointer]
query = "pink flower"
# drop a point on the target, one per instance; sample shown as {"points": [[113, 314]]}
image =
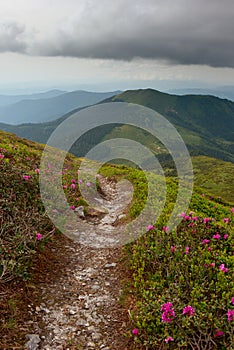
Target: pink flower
{"points": [[232, 300], [182, 214], [37, 170], [167, 316], [1, 156], [187, 217], [223, 268], [88, 184], [212, 264], [38, 236], [195, 218], [206, 241], [188, 310], [187, 250], [205, 220], [168, 339], [80, 182], [226, 220], [64, 186], [230, 315], [218, 333], [73, 186], [216, 236], [166, 306], [225, 236], [165, 228], [232, 210], [209, 249], [168, 312], [135, 331], [172, 249], [72, 207], [26, 177], [150, 227], [27, 158], [73, 180]]}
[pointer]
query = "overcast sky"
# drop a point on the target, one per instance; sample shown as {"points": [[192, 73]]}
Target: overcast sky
{"points": [[108, 44]]}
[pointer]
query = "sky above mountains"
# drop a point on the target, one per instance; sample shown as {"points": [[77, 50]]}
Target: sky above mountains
{"points": [[121, 44]]}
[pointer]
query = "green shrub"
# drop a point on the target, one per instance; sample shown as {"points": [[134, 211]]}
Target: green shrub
{"points": [[189, 267]]}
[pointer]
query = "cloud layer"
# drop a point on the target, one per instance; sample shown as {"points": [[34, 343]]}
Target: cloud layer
{"points": [[182, 32]]}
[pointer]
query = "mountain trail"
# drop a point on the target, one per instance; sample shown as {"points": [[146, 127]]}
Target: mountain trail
{"points": [[80, 306]]}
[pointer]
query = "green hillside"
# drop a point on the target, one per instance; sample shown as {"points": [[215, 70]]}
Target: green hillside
{"points": [[206, 124], [158, 273]]}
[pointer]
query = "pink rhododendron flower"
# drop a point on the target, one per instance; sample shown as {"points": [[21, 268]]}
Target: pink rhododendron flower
{"points": [[218, 333], [135, 331], [88, 184], [72, 207], [225, 236], [223, 268], [80, 182], [38, 236], [216, 236], [188, 310], [1, 156], [26, 177], [195, 218], [206, 241], [168, 312], [166, 306], [73, 186], [37, 170], [232, 210], [73, 180], [226, 220], [165, 228], [168, 339], [172, 249], [187, 217], [150, 227], [27, 158], [232, 300], [64, 186], [205, 220], [187, 250], [230, 315]]}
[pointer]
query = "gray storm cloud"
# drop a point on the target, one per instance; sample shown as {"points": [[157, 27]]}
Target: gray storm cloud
{"points": [[182, 32], [11, 37]]}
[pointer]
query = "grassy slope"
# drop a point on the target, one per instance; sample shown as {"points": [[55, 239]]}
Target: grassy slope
{"points": [[22, 215], [205, 122], [214, 176]]}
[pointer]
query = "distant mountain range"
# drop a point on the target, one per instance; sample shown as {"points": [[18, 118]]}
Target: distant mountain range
{"points": [[38, 108], [206, 123], [226, 92], [6, 100]]}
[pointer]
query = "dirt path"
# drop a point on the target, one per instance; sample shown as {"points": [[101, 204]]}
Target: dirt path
{"points": [[81, 308]]}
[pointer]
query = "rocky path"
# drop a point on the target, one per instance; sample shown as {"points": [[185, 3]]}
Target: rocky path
{"points": [[81, 308]]}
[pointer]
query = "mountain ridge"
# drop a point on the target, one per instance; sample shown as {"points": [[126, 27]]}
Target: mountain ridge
{"points": [[206, 123]]}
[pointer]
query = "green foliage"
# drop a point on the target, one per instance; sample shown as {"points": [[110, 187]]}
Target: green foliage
{"points": [[163, 272]]}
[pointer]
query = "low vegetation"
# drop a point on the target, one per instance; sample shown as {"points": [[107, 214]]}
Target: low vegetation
{"points": [[182, 281]]}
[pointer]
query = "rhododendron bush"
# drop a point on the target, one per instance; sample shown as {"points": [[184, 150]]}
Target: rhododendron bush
{"points": [[183, 282]]}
